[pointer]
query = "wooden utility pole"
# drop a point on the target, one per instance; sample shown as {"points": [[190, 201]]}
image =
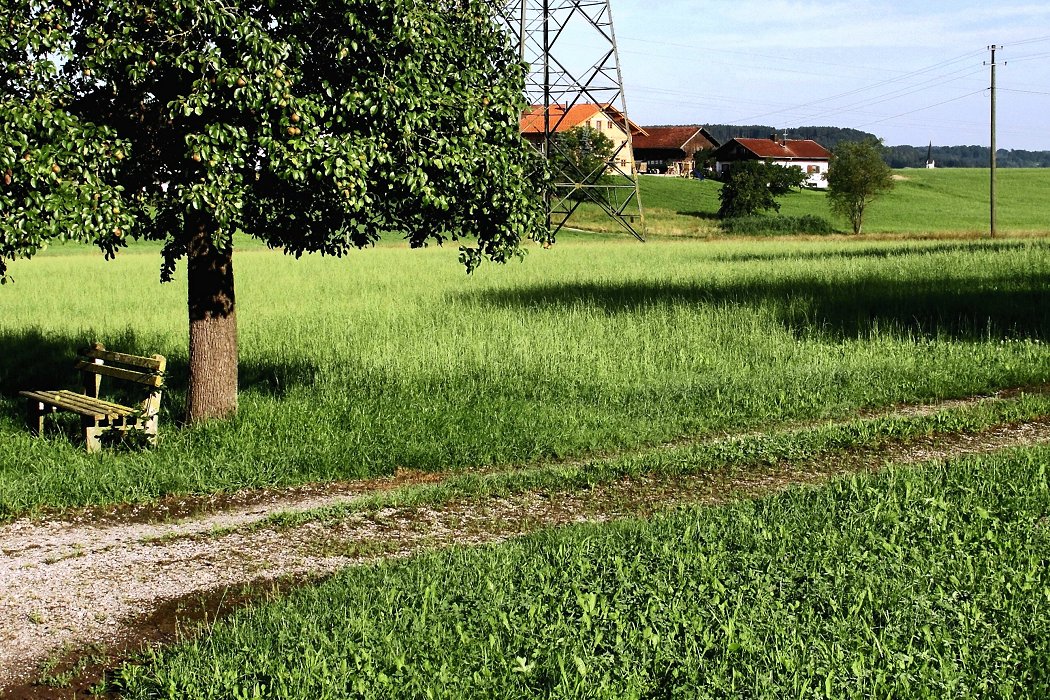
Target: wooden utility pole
{"points": [[993, 49]]}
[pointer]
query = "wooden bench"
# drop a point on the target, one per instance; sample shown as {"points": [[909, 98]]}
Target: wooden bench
{"points": [[98, 416]]}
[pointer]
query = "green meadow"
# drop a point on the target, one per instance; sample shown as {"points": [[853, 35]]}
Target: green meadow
{"points": [[575, 363], [393, 358], [923, 203], [921, 582]]}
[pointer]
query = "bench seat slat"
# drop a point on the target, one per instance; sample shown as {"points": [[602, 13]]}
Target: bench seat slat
{"points": [[147, 378], [81, 404], [98, 416], [155, 364]]}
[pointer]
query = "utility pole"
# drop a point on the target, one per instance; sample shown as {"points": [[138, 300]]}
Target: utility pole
{"points": [[993, 48]]}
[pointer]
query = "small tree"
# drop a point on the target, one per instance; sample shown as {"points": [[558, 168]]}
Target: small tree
{"points": [[580, 156], [704, 160], [315, 126], [857, 176], [754, 185]]}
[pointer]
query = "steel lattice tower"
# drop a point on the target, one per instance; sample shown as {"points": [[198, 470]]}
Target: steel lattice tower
{"points": [[570, 48]]}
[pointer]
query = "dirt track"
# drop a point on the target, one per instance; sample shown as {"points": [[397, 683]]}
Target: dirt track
{"points": [[80, 582]]}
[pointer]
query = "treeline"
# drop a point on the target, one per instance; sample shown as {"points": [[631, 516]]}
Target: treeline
{"points": [[896, 156], [827, 136], [964, 157]]}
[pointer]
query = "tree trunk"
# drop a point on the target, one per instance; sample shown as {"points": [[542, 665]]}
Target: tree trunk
{"points": [[212, 391]]}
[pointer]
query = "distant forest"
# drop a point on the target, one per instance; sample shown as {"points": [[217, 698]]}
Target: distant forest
{"points": [[896, 156]]}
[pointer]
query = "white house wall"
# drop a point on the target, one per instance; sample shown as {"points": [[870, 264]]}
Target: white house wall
{"points": [[816, 170]]}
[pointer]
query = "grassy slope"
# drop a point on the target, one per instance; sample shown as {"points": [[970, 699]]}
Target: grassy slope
{"points": [[924, 201], [395, 358], [921, 583]]}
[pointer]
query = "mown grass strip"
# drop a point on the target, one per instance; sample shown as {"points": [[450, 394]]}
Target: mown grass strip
{"points": [[919, 582], [719, 458]]}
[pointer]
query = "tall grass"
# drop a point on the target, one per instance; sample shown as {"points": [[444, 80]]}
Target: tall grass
{"points": [[921, 583], [394, 358]]}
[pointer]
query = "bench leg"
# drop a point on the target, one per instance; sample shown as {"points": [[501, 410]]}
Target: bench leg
{"points": [[92, 433], [151, 429], [91, 439], [36, 410]]}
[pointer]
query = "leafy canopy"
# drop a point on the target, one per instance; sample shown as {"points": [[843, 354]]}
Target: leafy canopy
{"points": [[581, 156], [857, 176], [754, 185], [315, 126]]}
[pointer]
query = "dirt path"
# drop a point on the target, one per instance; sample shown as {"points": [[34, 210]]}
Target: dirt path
{"points": [[69, 584]]}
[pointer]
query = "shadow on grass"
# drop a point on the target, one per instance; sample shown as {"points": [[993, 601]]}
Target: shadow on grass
{"points": [[1013, 307], [34, 360], [883, 252], [705, 215]]}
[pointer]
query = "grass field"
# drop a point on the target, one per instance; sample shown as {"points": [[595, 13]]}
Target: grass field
{"points": [[945, 201], [918, 582], [394, 358]]}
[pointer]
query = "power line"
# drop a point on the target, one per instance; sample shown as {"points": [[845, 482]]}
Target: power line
{"points": [[708, 62], [961, 123], [922, 109], [885, 97], [826, 104], [1034, 40], [807, 60], [1024, 92], [1029, 57], [849, 93], [804, 110], [904, 92]]}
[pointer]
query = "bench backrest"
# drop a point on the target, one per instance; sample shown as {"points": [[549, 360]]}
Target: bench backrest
{"points": [[95, 362]]}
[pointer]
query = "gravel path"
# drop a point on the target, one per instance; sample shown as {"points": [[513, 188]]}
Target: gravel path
{"points": [[67, 584]]}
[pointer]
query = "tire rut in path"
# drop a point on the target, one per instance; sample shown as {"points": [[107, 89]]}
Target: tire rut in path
{"points": [[68, 585]]}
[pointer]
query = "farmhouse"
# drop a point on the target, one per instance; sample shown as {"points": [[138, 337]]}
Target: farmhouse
{"points": [[806, 154], [670, 149], [604, 118]]}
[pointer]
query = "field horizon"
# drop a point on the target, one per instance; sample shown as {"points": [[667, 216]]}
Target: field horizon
{"points": [[925, 203]]}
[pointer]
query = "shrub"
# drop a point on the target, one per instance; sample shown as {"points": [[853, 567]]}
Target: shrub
{"points": [[777, 225]]}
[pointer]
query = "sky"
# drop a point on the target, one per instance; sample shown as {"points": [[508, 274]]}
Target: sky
{"points": [[909, 72]]}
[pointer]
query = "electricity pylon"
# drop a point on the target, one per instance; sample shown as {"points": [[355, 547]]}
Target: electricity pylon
{"points": [[570, 48]]}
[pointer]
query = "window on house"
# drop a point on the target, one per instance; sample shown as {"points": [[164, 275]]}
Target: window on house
{"points": [[608, 125]]}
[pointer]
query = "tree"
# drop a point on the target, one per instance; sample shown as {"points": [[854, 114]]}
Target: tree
{"points": [[315, 126], [857, 176], [754, 185], [581, 156], [704, 161]]}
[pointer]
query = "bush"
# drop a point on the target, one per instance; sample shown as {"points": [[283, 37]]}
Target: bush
{"points": [[753, 186], [777, 225]]}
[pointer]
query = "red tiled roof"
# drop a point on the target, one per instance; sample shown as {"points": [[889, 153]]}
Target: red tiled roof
{"points": [[532, 122], [801, 149], [666, 137]]}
